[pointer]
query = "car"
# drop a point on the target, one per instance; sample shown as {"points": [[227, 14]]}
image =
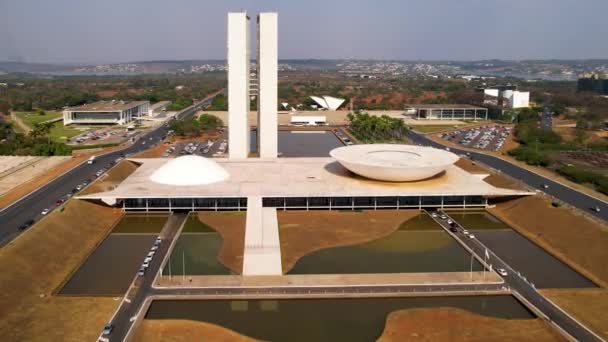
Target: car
{"points": [[107, 329], [26, 224], [502, 272], [596, 209], [154, 248], [545, 186], [79, 187], [59, 202], [145, 265], [434, 215], [150, 254], [450, 222], [471, 236], [443, 216], [453, 229], [45, 211], [68, 195], [147, 260]]}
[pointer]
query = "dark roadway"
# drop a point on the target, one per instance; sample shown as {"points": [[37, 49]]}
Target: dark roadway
{"points": [[573, 197], [522, 286], [31, 206]]}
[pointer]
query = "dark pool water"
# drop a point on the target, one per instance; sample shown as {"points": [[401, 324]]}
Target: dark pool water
{"points": [[322, 319]]}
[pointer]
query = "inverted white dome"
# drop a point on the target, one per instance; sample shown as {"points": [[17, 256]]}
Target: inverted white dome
{"points": [[189, 170], [394, 162]]}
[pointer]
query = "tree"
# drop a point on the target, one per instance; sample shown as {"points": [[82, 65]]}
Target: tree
{"points": [[209, 121]]}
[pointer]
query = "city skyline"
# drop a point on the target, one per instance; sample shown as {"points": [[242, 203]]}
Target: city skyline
{"points": [[112, 32]]}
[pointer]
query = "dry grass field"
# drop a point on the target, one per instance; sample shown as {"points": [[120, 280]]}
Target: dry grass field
{"points": [[450, 324], [304, 232], [176, 330], [37, 263], [572, 237], [588, 305]]}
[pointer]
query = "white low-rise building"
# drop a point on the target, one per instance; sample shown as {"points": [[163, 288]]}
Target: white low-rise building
{"points": [[105, 112], [308, 120]]}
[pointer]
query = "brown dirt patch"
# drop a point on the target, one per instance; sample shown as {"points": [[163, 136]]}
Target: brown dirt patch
{"points": [[154, 152], [304, 232], [231, 226], [177, 330], [588, 305], [493, 179], [107, 93], [450, 324], [470, 166], [573, 238], [113, 178], [38, 262]]}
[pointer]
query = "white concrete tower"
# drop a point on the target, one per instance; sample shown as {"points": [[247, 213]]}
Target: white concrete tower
{"points": [[238, 85], [267, 59]]}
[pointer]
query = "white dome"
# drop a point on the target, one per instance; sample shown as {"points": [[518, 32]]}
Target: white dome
{"points": [[188, 171], [395, 163]]}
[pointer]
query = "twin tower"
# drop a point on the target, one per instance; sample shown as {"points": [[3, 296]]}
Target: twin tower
{"points": [[242, 86]]}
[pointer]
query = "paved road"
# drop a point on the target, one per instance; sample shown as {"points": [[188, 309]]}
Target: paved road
{"points": [[568, 195], [522, 286], [141, 286], [30, 207]]}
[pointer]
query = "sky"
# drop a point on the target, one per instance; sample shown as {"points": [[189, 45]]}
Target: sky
{"points": [[113, 31]]}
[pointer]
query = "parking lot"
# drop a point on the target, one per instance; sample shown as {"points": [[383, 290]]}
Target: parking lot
{"points": [[491, 137], [103, 136]]}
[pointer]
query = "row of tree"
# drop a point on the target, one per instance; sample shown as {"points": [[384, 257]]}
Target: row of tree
{"points": [[195, 126], [371, 129]]}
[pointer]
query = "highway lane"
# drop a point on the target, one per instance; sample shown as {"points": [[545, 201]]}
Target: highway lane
{"points": [[521, 285], [566, 194], [31, 206]]}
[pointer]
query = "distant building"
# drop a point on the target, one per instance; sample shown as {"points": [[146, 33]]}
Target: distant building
{"points": [[445, 112], [158, 107], [506, 96], [308, 120], [593, 83], [328, 102], [105, 112]]}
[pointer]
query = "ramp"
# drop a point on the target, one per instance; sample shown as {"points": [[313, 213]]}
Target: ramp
{"points": [[262, 247]]}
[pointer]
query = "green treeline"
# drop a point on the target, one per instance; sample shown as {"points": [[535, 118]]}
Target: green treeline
{"points": [[374, 129]]}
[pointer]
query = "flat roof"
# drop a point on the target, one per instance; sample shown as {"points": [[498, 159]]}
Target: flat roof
{"points": [[105, 106], [298, 177], [443, 106], [159, 104]]}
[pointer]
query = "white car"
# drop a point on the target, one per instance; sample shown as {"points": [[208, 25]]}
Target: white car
{"points": [[45, 211], [471, 236], [433, 215], [147, 260], [502, 272]]}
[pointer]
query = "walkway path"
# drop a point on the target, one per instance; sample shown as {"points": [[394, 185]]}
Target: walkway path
{"points": [[262, 254]]}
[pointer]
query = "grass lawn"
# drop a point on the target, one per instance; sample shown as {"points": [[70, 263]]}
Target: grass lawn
{"points": [[433, 128], [32, 118], [59, 132]]}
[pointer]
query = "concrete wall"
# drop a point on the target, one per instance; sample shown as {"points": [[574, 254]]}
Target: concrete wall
{"points": [[238, 85], [267, 78]]}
